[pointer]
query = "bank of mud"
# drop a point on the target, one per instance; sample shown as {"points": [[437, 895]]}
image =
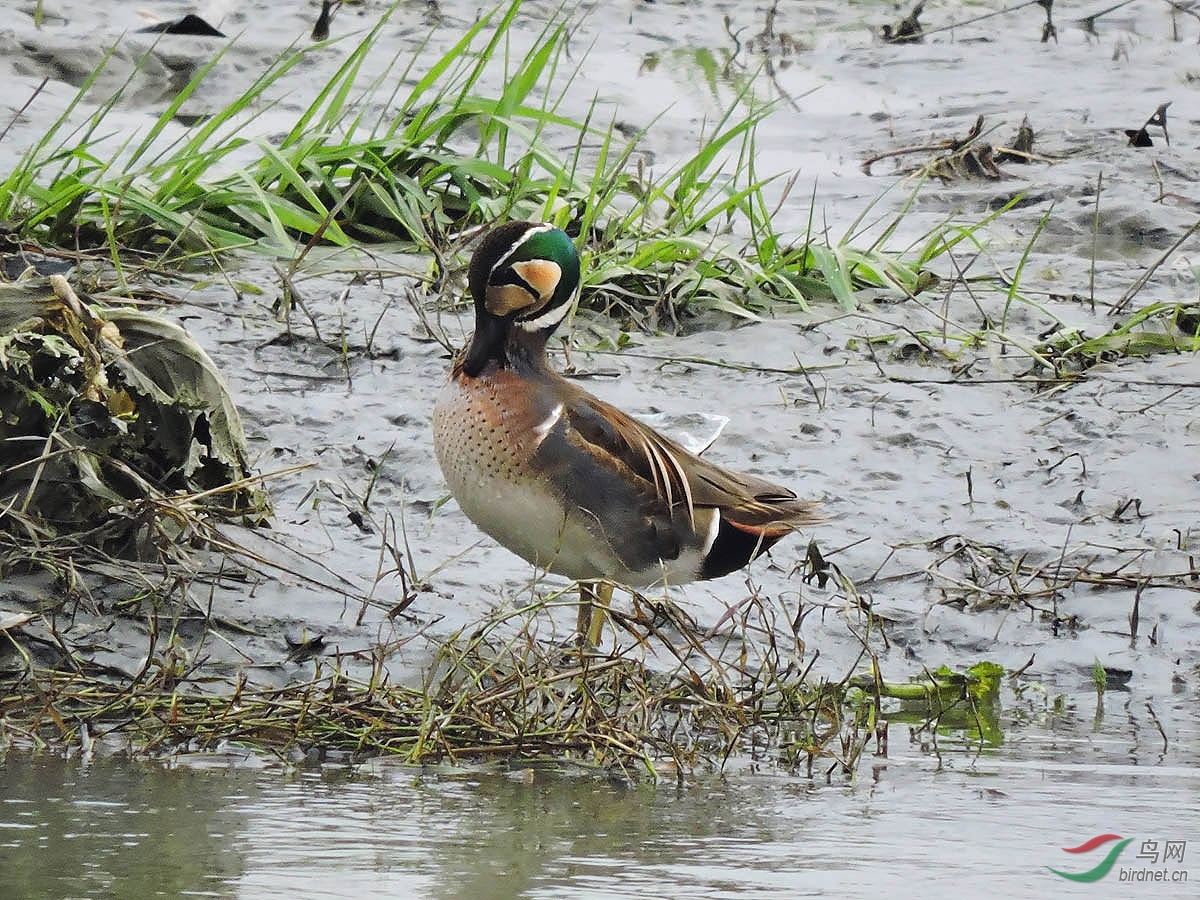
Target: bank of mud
{"points": [[980, 505]]}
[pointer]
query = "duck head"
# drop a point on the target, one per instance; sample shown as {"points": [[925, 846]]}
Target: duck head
{"points": [[523, 278]]}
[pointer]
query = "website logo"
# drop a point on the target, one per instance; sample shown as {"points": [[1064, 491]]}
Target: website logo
{"points": [[1170, 852]]}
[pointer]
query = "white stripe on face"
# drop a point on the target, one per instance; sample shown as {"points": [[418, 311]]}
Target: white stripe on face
{"points": [[548, 319], [537, 229]]}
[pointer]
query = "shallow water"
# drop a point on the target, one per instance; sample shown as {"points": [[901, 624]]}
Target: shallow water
{"points": [[986, 825], [884, 439]]}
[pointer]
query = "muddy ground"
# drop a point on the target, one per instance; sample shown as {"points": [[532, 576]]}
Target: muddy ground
{"points": [[943, 469]]}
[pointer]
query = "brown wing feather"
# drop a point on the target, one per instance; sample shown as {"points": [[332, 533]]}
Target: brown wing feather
{"points": [[679, 477]]}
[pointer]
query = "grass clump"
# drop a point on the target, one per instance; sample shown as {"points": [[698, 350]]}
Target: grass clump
{"points": [[423, 151], [1153, 329]]}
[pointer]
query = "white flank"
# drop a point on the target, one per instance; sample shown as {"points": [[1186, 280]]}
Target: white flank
{"points": [[711, 537]]}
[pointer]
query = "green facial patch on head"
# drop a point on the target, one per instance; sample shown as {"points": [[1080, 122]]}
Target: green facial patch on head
{"points": [[524, 266], [546, 260]]}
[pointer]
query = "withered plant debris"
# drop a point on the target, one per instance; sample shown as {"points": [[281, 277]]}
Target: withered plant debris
{"points": [[667, 699], [1139, 137], [767, 42], [1020, 150], [907, 31], [976, 576], [910, 31], [107, 415], [965, 157]]}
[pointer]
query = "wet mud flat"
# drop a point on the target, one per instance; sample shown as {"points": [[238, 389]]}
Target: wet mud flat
{"points": [[982, 505]]}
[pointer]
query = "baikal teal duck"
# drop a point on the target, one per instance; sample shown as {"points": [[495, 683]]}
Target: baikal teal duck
{"points": [[566, 481]]}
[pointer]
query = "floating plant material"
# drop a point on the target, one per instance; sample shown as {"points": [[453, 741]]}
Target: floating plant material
{"points": [[110, 419], [968, 699], [980, 682]]}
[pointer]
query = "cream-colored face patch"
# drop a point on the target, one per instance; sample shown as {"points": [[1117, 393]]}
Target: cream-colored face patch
{"points": [[502, 299], [543, 275]]}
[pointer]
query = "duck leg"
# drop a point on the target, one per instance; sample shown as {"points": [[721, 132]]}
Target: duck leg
{"points": [[594, 600]]}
